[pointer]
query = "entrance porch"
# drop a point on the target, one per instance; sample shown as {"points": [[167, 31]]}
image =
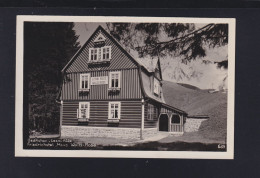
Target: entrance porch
{"points": [[171, 122]]}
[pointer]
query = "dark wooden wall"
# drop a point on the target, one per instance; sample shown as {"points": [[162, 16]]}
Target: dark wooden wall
{"points": [[131, 113], [130, 87]]}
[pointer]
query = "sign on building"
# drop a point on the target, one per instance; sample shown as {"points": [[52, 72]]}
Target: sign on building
{"points": [[99, 80]]}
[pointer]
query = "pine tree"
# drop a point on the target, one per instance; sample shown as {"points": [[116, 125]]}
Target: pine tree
{"points": [[170, 39], [47, 48]]}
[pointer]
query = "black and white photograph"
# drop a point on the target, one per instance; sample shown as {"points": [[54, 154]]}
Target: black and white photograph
{"points": [[135, 87]]}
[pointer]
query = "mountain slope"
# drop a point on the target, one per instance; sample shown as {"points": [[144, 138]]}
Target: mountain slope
{"points": [[200, 102]]}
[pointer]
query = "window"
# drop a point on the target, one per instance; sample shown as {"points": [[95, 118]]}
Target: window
{"points": [[100, 54], [156, 86], [150, 112], [83, 111], [84, 81], [106, 53], [93, 54], [114, 80], [114, 110]]}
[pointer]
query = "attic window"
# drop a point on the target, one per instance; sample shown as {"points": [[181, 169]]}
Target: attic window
{"points": [[102, 54], [100, 38]]}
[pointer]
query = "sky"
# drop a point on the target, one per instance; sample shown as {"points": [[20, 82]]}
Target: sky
{"points": [[204, 76]]}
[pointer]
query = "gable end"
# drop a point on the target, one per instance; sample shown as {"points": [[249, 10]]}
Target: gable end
{"points": [[121, 59]]}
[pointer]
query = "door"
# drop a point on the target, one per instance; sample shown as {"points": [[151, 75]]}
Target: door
{"points": [[163, 123]]}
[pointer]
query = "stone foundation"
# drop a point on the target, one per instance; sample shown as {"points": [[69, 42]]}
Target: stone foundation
{"points": [[112, 132], [192, 125], [149, 132]]}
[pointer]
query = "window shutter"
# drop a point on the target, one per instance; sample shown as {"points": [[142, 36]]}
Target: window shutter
{"points": [[80, 81], [88, 110], [77, 113], [89, 54], [88, 81], [110, 51], [119, 110], [119, 79], [109, 110], [110, 79]]}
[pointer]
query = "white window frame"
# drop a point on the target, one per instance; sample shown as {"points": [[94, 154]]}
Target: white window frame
{"points": [[119, 79], [93, 49], [156, 86], [99, 54], [109, 53], [80, 81], [109, 110], [79, 110]]}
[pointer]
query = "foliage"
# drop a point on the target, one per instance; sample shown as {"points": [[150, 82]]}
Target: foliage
{"points": [[47, 48], [174, 39]]}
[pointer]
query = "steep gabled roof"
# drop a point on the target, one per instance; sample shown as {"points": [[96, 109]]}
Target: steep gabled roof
{"points": [[114, 40]]}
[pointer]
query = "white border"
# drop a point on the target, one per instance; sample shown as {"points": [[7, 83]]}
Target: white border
{"points": [[19, 151]]}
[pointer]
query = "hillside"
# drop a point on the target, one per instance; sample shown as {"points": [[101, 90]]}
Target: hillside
{"points": [[200, 102]]}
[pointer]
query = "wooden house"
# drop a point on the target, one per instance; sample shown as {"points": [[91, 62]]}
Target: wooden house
{"points": [[109, 93]]}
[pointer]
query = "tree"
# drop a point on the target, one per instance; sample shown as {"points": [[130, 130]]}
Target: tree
{"points": [[47, 48], [174, 39]]}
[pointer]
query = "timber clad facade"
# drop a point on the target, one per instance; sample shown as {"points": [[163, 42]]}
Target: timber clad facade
{"points": [[107, 91]]}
